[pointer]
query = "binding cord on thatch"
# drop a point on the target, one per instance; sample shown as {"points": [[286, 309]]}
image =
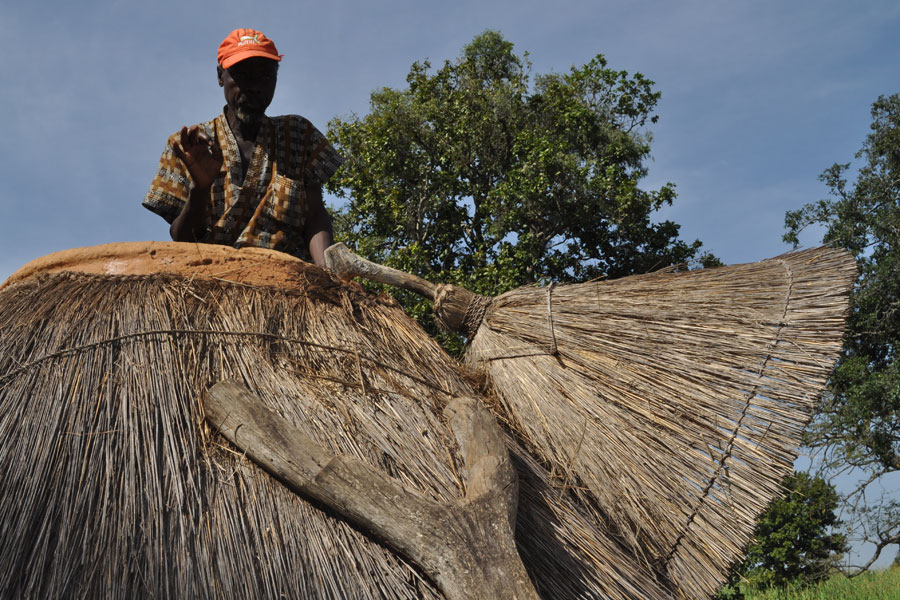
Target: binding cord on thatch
{"points": [[451, 301], [554, 349], [210, 332], [155, 507], [726, 456]]}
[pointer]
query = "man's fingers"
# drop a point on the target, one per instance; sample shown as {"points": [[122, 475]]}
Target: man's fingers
{"points": [[186, 145], [176, 148], [194, 139], [200, 154], [193, 134]]}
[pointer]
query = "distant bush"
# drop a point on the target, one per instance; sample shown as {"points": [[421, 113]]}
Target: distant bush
{"points": [[795, 542]]}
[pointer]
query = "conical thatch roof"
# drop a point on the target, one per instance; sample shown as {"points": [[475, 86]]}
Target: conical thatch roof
{"points": [[113, 486], [672, 403]]}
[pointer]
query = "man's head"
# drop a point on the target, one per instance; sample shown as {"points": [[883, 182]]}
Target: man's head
{"points": [[248, 71]]}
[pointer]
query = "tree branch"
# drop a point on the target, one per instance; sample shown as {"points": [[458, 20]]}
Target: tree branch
{"points": [[879, 547]]}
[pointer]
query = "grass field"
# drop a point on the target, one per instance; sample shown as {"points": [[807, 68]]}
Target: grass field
{"points": [[880, 585]]}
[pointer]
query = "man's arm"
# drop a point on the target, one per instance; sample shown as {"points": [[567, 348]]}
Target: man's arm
{"points": [[318, 232], [203, 158], [191, 222]]}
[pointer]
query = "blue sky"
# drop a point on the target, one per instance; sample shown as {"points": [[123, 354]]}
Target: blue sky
{"points": [[758, 97]]}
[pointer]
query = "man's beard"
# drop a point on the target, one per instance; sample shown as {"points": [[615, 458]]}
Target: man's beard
{"points": [[249, 116]]}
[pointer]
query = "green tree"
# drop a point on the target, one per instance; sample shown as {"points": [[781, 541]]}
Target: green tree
{"points": [[795, 539], [476, 176], [858, 427]]}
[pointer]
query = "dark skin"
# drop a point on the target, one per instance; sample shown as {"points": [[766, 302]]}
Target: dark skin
{"points": [[249, 87]]}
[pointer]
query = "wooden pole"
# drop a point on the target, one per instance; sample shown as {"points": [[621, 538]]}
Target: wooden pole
{"points": [[341, 261], [455, 308]]}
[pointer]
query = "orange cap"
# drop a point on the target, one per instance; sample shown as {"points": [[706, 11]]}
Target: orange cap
{"points": [[244, 43]]}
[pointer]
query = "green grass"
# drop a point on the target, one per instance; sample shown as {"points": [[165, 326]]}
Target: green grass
{"points": [[879, 585]]}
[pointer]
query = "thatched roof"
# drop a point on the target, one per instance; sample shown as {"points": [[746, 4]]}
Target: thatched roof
{"points": [[113, 486], [673, 403]]}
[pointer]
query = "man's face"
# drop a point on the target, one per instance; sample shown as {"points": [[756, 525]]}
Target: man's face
{"points": [[249, 87]]}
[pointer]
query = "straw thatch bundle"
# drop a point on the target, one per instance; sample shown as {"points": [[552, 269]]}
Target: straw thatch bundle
{"points": [[682, 398], [672, 404], [113, 487]]}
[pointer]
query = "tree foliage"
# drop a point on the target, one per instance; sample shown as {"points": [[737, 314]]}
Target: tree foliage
{"points": [[795, 539], [859, 419], [476, 175]]}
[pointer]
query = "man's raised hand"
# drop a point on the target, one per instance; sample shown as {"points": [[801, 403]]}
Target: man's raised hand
{"points": [[200, 154]]}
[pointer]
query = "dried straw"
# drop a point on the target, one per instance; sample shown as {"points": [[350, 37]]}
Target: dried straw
{"points": [[672, 403], [113, 487]]}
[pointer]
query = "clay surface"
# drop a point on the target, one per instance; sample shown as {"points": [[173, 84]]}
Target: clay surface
{"points": [[252, 266]]}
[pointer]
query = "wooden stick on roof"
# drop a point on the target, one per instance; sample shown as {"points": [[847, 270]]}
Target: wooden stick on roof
{"points": [[466, 548]]}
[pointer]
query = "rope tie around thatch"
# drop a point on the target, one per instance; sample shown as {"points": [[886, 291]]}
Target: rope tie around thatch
{"points": [[353, 352], [475, 314], [458, 309], [729, 447], [554, 350]]}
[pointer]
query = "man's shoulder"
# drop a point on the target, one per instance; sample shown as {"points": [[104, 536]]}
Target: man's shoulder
{"points": [[293, 123], [290, 119], [307, 150]]}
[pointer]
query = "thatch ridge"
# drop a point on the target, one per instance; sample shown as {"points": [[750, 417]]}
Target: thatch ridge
{"points": [[113, 487]]}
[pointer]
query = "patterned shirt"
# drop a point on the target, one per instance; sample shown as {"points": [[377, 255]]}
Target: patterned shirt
{"points": [[268, 208]]}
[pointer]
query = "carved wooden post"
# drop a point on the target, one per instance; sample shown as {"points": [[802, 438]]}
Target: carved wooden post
{"points": [[466, 547]]}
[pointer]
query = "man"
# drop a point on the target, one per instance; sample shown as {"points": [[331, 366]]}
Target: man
{"points": [[244, 179]]}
